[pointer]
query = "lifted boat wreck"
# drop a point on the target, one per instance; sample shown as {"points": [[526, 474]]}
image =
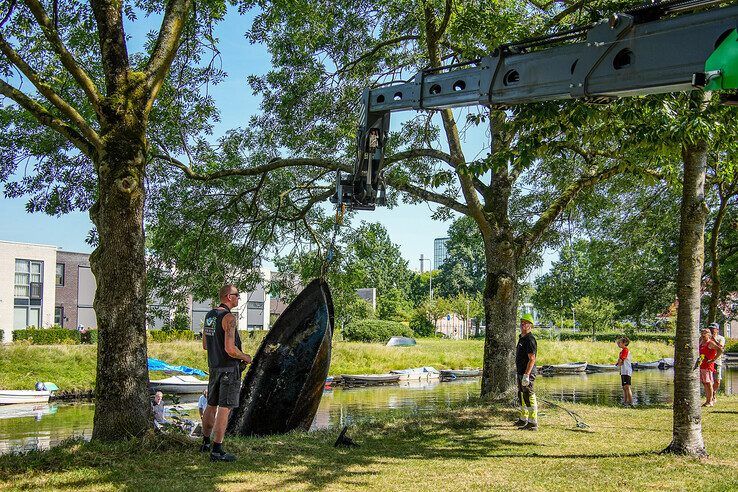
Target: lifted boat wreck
{"points": [[284, 384]]}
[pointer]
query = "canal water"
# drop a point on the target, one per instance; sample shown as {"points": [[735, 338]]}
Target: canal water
{"points": [[27, 427]]}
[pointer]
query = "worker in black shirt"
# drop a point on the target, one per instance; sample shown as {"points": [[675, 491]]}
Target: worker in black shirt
{"points": [[525, 367], [225, 362]]}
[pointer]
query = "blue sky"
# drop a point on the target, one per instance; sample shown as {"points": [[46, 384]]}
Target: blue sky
{"points": [[410, 226]]}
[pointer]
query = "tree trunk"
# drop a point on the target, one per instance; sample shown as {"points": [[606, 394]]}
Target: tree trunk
{"points": [[500, 309], [715, 260], [122, 406], [687, 426]]}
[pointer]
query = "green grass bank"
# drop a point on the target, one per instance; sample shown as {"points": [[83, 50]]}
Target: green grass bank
{"points": [[467, 448], [72, 367]]}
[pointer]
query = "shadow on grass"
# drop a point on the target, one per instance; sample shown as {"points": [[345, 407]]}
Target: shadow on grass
{"points": [[308, 460]]}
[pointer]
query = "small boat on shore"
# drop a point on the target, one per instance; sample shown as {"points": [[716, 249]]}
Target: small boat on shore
{"points": [[459, 373], [602, 368], [401, 342], [367, 379], [666, 363], [417, 373], [13, 397], [569, 368], [646, 365], [179, 385]]}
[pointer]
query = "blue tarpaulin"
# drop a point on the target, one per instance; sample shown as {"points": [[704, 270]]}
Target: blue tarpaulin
{"points": [[160, 365]]}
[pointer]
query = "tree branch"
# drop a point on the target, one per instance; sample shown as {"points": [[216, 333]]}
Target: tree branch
{"points": [[49, 93], [528, 239], [166, 46], [46, 118], [67, 59], [377, 47], [109, 19], [412, 153], [446, 18], [428, 195]]}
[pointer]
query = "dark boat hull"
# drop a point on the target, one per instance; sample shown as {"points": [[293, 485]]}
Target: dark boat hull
{"points": [[283, 387]]}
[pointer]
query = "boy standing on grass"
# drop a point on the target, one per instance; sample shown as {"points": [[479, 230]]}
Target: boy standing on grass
{"points": [[626, 370]]}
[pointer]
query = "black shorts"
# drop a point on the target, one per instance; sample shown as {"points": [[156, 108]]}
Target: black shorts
{"points": [[224, 387], [625, 379]]}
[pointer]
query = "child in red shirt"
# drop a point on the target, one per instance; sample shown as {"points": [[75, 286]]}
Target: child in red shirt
{"points": [[626, 370]]}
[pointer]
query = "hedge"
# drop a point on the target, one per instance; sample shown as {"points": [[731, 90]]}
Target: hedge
{"points": [[374, 330], [613, 336], [170, 335], [49, 336]]}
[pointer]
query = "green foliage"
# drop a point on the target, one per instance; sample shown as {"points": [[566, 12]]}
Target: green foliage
{"points": [[420, 324], [614, 336], [46, 336], [594, 314], [464, 270], [181, 322], [393, 306], [731, 345], [374, 330]]}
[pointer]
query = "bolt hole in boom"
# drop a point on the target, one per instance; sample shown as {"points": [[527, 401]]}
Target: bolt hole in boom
{"points": [[398, 96], [623, 59], [511, 77], [459, 85], [435, 89], [380, 99]]}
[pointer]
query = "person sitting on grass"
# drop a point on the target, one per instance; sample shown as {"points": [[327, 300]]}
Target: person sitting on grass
{"points": [[158, 407], [626, 370], [710, 351]]}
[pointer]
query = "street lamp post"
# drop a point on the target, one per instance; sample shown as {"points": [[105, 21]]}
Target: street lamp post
{"points": [[467, 318], [430, 277]]}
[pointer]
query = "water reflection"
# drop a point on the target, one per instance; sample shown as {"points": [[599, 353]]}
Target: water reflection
{"points": [[28, 427]]}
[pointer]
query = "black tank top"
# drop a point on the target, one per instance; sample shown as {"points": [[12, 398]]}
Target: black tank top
{"points": [[215, 339]]}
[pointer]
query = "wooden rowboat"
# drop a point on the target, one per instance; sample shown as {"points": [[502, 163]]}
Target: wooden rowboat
{"points": [[602, 368], [284, 384], [417, 373], [356, 379], [12, 397], [179, 385], [570, 368], [459, 373]]}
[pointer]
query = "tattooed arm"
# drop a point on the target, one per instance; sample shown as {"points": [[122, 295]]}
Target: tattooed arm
{"points": [[230, 326]]}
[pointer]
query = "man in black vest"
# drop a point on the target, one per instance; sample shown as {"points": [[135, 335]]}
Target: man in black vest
{"points": [[225, 362]]}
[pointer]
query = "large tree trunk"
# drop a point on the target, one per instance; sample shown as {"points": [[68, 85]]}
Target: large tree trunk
{"points": [[500, 309], [687, 426], [122, 407]]}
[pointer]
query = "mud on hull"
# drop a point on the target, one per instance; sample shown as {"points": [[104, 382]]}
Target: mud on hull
{"points": [[283, 387]]}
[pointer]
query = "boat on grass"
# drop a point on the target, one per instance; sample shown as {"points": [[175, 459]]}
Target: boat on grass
{"points": [[602, 368], [417, 373], [367, 379], [568, 368], [179, 385], [459, 373], [401, 342]]}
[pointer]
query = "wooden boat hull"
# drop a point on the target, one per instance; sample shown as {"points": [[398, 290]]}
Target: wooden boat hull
{"points": [[575, 368], [13, 397], [350, 379], [602, 368], [283, 387]]}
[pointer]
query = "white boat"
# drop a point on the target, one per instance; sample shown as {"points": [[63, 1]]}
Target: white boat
{"points": [[13, 397], [417, 373], [370, 378], [666, 363], [179, 385]]}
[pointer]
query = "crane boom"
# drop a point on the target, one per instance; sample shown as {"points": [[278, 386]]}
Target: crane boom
{"points": [[634, 53]]}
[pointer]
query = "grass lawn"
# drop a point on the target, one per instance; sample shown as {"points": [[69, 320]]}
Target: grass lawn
{"points": [[72, 367], [467, 448]]}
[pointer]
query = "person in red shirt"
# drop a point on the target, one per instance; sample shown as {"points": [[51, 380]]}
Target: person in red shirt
{"points": [[710, 351], [626, 370]]}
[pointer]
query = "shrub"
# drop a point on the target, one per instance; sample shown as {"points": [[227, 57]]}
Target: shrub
{"points": [[731, 345], [374, 330], [170, 336], [420, 325], [50, 336]]}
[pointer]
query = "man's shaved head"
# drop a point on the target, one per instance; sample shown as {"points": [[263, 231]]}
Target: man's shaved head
{"points": [[225, 290]]}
